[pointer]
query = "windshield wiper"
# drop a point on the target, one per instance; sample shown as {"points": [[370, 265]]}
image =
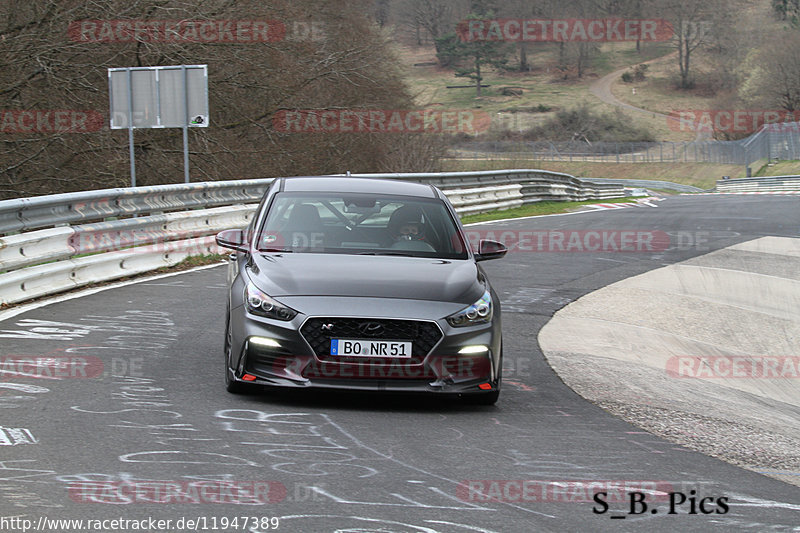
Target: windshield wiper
{"points": [[282, 250]]}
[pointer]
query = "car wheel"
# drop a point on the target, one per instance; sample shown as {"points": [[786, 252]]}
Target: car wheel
{"points": [[231, 384]]}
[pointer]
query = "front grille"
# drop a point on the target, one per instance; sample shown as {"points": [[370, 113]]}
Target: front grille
{"points": [[423, 334]]}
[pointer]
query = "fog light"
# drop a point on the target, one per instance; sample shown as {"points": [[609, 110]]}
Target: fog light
{"points": [[476, 348], [264, 341], [248, 377], [485, 386]]}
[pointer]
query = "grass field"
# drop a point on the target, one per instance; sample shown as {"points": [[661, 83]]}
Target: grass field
{"points": [[543, 86], [538, 208], [547, 89], [658, 92], [781, 168], [702, 175]]}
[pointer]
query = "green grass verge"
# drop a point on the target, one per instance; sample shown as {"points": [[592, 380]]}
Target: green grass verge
{"points": [[191, 262], [780, 168], [539, 208]]}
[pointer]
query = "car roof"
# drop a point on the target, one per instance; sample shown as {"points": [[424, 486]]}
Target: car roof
{"points": [[354, 184]]}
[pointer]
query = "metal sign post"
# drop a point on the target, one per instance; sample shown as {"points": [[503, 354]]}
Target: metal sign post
{"points": [[185, 124], [159, 97], [130, 129]]}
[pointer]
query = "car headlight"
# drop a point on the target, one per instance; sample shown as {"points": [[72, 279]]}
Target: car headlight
{"points": [[259, 303], [478, 313]]}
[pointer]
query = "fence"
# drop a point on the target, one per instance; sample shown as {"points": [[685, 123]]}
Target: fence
{"points": [[772, 142], [55, 243]]}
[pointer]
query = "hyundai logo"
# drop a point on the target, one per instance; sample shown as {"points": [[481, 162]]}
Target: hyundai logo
{"points": [[370, 329]]}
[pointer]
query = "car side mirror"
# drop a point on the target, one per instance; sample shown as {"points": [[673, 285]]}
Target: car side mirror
{"points": [[233, 239], [488, 249]]}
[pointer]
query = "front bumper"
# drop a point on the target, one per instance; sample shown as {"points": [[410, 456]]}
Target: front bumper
{"points": [[290, 361]]}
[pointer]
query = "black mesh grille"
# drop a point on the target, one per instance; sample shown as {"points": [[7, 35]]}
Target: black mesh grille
{"points": [[318, 332]]}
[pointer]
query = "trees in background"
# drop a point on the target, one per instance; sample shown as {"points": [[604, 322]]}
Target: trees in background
{"points": [[343, 62], [333, 55], [774, 82], [788, 10], [692, 23], [470, 58], [434, 18]]}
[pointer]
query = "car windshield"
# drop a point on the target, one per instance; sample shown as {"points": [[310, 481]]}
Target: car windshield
{"points": [[368, 224]]}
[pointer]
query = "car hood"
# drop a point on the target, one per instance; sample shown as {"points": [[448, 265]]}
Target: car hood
{"points": [[312, 274]]}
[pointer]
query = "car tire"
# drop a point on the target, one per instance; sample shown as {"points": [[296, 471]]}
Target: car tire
{"points": [[231, 385]]}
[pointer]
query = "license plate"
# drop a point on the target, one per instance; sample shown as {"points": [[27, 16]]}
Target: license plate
{"points": [[370, 348]]}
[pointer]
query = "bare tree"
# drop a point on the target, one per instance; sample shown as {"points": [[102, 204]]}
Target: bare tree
{"points": [[435, 17], [731, 39], [580, 53], [691, 22], [382, 12], [777, 78], [412, 153], [525, 9]]}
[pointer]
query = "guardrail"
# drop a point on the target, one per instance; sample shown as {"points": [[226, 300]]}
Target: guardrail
{"points": [[54, 243], [533, 186], [763, 184], [648, 184], [41, 211]]}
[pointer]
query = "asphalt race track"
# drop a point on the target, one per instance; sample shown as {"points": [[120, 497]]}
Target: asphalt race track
{"points": [[151, 421]]}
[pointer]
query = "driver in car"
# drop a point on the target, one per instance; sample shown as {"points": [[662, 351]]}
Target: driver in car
{"points": [[407, 227], [406, 224]]}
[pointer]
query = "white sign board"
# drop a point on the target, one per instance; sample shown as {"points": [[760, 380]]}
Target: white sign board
{"points": [[158, 97]]}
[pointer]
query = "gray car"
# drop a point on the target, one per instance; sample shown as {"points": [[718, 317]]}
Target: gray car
{"points": [[363, 284]]}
